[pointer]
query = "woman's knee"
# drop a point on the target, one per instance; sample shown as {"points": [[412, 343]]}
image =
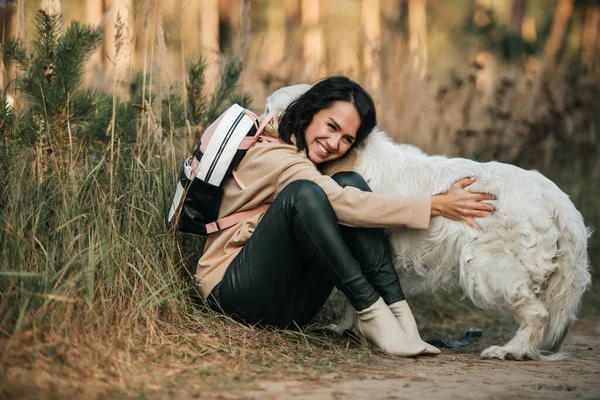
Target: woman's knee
{"points": [[351, 178], [306, 193]]}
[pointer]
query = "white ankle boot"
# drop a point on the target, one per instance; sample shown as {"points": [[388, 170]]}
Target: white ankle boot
{"points": [[378, 325], [405, 318]]}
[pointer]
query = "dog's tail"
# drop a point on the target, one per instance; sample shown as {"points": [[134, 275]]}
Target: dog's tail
{"points": [[568, 281]]}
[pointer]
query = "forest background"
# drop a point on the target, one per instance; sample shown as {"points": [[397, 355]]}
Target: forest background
{"points": [[107, 96]]}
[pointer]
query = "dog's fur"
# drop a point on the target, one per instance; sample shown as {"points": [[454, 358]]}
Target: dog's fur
{"points": [[529, 259]]}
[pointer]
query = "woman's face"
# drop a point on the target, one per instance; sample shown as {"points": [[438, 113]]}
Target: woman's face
{"points": [[332, 132]]}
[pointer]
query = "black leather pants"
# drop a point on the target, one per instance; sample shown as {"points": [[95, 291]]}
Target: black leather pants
{"points": [[298, 253]]}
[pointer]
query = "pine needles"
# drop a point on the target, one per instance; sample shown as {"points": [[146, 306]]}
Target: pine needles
{"points": [[50, 78]]}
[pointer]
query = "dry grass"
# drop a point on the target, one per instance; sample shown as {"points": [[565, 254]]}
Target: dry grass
{"points": [[207, 354]]}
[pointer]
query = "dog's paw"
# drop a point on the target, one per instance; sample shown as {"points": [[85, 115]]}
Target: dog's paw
{"points": [[502, 353], [495, 352]]}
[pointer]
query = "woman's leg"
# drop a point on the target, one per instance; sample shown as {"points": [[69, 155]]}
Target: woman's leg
{"points": [[289, 266], [268, 283], [371, 248]]}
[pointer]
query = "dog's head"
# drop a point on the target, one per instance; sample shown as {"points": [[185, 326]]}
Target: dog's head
{"points": [[280, 99]]}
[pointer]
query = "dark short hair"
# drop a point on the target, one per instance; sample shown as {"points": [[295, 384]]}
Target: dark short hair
{"points": [[301, 111]]}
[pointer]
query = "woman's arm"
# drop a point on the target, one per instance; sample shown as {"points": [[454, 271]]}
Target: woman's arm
{"points": [[352, 206], [460, 205]]}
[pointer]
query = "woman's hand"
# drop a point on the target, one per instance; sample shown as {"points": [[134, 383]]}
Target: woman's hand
{"points": [[460, 205]]}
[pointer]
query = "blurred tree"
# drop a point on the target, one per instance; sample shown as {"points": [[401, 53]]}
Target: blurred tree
{"points": [[8, 28], [590, 37], [293, 7], [392, 36], [562, 15], [515, 45], [371, 27], [343, 38], [517, 12], [273, 46], [229, 23], [190, 26], [94, 11], [417, 26], [313, 46], [209, 26]]}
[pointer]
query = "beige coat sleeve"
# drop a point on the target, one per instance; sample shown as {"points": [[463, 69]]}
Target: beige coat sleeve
{"points": [[356, 208]]}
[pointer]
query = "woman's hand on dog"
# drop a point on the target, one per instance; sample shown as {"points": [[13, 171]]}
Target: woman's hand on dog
{"points": [[461, 205]]}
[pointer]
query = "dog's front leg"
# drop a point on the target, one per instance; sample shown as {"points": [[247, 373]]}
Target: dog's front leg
{"points": [[348, 320]]}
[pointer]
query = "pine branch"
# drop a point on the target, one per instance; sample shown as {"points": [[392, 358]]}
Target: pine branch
{"points": [[7, 116], [243, 99], [49, 33], [14, 51], [194, 85], [73, 51]]}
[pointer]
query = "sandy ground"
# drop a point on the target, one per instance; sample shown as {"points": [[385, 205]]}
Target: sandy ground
{"points": [[457, 376]]}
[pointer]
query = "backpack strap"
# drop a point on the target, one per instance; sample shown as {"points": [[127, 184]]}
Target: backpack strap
{"points": [[233, 219], [238, 180], [265, 121], [248, 141]]}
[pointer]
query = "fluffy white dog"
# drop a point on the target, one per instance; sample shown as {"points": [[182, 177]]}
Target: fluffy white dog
{"points": [[529, 259]]}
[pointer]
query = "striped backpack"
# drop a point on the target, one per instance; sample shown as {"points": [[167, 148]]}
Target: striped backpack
{"points": [[224, 143]]}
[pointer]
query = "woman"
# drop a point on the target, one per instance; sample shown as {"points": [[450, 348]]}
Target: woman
{"points": [[279, 267]]}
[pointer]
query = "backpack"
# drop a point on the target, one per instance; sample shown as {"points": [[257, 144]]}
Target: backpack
{"points": [[198, 195]]}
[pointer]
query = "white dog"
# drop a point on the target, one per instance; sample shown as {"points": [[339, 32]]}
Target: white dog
{"points": [[529, 259]]}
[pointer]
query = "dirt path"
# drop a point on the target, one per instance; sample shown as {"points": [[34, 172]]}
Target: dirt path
{"points": [[460, 376]]}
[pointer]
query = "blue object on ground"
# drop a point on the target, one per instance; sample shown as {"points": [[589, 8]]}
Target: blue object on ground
{"points": [[466, 340]]}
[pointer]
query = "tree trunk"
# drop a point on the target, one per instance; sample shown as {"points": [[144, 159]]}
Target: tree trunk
{"points": [[229, 11], [417, 27], [517, 13], [190, 25], [392, 37], [293, 7], [312, 50], [515, 45], [392, 51], [562, 14], [209, 37], [371, 26], [9, 24], [590, 37], [343, 38], [273, 47]]}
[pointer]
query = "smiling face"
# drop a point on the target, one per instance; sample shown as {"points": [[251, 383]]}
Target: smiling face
{"points": [[332, 132]]}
